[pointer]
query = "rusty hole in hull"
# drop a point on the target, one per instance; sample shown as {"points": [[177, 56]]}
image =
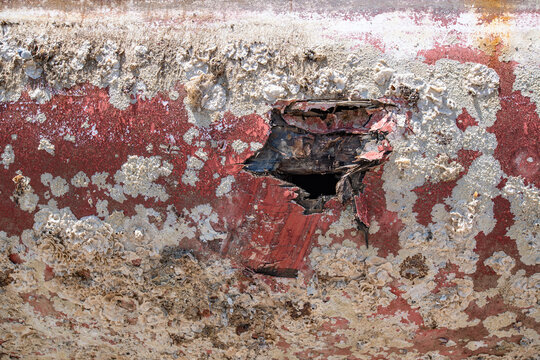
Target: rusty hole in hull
{"points": [[319, 147], [276, 272], [316, 185]]}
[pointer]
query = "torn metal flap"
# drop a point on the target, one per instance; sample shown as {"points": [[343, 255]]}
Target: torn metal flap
{"points": [[330, 116]]}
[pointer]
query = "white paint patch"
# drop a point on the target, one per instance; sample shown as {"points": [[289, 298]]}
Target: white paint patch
{"points": [[8, 156], [475, 345], [528, 82], [116, 192], [138, 174], [254, 146], [337, 228], [69, 137], [201, 154], [39, 118], [58, 185], [100, 180], [225, 186], [8, 243], [190, 177], [193, 165], [374, 227], [501, 263], [101, 208], [80, 180], [28, 201], [239, 146], [525, 206], [45, 144], [521, 291], [204, 216], [190, 135]]}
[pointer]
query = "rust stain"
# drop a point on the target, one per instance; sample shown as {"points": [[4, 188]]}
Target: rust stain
{"points": [[323, 148], [493, 43], [496, 17], [491, 6]]}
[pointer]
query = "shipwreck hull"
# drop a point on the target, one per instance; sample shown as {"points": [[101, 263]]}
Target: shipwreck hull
{"points": [[158, 197]]}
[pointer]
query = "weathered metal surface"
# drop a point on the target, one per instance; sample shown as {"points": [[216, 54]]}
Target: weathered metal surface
{"points": [[130, 227], [324, 148]]}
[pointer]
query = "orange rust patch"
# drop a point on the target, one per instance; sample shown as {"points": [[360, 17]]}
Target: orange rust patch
{"points": [[489, 43], [491, 6], [496, 16]]}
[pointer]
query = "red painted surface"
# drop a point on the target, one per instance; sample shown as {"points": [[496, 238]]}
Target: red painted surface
{"points": [[264, 227], [386, 239], [430, 193], [464, 120]]}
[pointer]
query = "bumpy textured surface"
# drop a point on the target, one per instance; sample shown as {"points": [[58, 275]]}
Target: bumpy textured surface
{"points": [[130, 230]]}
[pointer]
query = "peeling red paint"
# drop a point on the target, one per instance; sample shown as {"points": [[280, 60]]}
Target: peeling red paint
{"points": [[16, 259], [435, 193], [464, 120], [386, 239], [264, 227], [42, 305], [400, 304], [518, 119], [48, 273]]}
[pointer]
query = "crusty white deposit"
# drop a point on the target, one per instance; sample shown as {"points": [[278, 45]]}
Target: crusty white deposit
{"points": [[133, 291]]}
